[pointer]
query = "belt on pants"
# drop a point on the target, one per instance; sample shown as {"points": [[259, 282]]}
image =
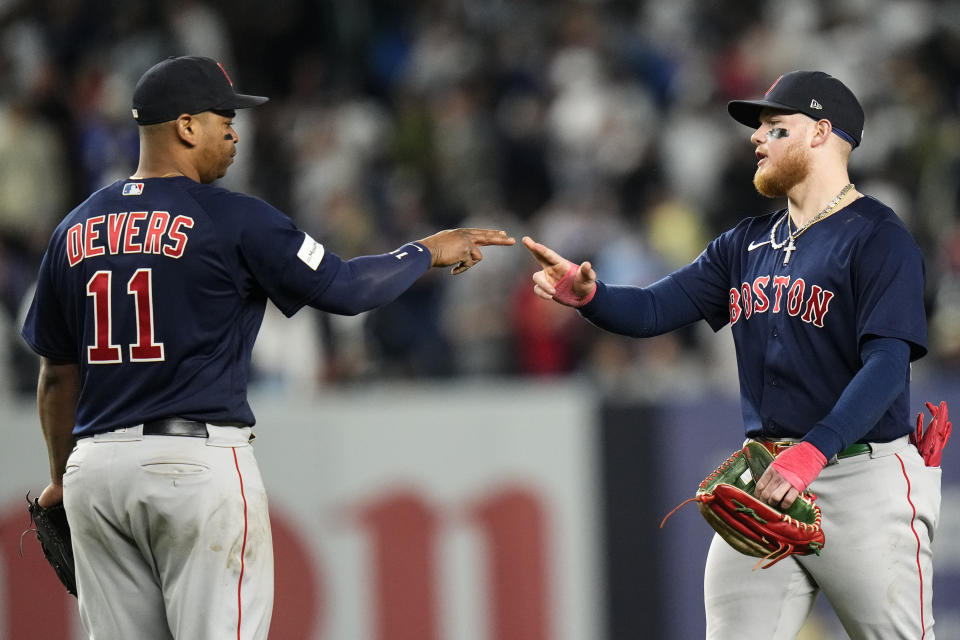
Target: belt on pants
{"points": [[175, 427], [170, 427], [777, 446]]}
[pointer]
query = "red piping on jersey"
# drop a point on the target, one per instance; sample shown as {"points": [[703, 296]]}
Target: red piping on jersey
{"points": [[243, 547], [923, 626]]}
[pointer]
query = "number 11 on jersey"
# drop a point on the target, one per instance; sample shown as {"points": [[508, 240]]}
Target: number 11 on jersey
{"points": [[103, 351]]}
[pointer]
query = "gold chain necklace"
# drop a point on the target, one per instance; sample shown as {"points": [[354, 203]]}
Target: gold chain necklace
{"points": [[790, 241]]}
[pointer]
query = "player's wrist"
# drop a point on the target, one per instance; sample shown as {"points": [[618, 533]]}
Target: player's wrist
{"points": [[431, 248], [565, 293], [800, 465]]}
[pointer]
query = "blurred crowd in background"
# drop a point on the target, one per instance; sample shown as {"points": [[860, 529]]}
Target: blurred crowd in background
{"points": [[599, 128]]}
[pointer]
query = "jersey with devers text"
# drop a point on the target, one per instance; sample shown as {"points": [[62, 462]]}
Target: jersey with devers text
{"points": [[157, 289]]}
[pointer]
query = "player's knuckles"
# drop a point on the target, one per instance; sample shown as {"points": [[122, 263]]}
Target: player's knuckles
{"points": [[544, 286]]}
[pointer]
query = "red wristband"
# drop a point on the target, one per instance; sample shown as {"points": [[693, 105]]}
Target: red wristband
{"points": [[565, 294], [800, 464]]}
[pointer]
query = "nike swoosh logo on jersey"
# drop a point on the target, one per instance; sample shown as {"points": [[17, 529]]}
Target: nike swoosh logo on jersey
{"points": [[757, 245]]}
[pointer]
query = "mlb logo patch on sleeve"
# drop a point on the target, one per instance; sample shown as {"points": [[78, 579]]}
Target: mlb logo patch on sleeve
{"points": [[133, 188], [311, 252]]}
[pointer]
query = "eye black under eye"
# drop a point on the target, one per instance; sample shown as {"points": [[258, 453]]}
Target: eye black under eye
{"points": [[777, 132]]}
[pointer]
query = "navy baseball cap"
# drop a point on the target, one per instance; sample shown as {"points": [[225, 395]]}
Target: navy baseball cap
{"points": [[813, 93], [188, 84]]}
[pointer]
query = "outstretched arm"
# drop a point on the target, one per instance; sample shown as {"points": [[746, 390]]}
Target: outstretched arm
{"points": [[368, 282], [639, 312]]}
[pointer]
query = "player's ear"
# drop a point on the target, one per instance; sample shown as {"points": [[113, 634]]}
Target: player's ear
{"points": [[187, 128], [821, 132]]}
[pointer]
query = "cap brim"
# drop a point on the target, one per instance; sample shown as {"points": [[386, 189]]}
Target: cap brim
{"points": [[238, 101], [243, 101], [747, 112]]}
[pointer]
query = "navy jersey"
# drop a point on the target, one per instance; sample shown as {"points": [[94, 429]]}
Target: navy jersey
{"points": [[798, 326], [157, 289]]}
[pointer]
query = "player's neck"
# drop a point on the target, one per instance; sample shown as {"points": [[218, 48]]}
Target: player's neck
{"points": [[811, 197], [160, 162], [161, 171]]}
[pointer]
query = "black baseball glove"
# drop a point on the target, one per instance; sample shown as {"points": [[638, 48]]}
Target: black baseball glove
{"points": [[53, 532]]}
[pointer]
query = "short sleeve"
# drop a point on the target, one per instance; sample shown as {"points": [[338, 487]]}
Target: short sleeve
{"points": [[45, 328], [289, 265], [889, 280]]}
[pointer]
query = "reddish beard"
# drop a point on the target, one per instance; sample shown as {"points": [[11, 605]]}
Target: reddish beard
{"points": [[774, 181]]}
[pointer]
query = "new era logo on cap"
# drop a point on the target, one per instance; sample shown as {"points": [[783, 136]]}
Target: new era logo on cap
{"points": [[815, 105]]}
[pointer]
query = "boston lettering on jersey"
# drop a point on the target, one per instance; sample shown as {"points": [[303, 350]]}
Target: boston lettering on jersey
{"points": [[128, 232], [755, 297]]}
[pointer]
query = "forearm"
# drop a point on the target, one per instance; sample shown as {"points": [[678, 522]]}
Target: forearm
{"points": [[58, 390], [868, 395], [641, 312], [367, 282]]}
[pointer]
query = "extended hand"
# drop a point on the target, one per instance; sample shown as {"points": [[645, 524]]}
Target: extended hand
{"points": [[460, 248], [559, 279]]}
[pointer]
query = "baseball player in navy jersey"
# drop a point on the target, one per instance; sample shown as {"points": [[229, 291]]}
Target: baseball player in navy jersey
{"points": [[147, 305], [825, 302]]}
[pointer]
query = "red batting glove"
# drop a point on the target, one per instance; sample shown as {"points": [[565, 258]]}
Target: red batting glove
{"points": [[565, 294], [799, 465], [930, 443]]}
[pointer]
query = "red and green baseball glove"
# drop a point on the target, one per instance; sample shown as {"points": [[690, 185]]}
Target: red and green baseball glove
{"points": [[725, 498]]}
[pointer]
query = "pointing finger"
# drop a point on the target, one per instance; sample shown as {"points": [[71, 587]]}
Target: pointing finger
{"points": [[543, 254], [489, 237]]}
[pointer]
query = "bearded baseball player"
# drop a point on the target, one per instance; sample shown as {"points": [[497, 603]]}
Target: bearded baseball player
{"points": [[825, 302], [148, 302]]}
